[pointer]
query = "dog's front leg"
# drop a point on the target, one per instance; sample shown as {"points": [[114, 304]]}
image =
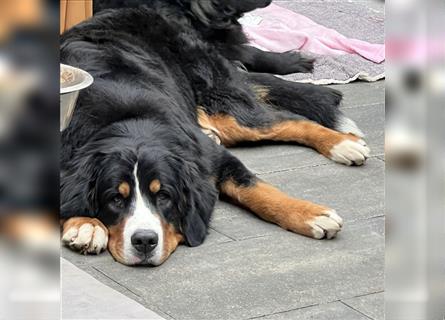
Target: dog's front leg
{"points": [[269, 203]]}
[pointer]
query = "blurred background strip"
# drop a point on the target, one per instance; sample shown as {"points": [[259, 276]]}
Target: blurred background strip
{"points": [[15, 13], [29, 139], [415, 158]]}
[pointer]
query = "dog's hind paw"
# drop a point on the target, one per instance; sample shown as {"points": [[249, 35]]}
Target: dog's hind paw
{"points": [[86, 235], [350, 152]]}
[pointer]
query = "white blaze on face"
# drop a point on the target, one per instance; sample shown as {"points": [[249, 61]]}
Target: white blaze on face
{"points": [[142, 216]]}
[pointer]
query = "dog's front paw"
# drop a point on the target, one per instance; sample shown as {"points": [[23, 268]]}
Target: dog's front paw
{"points": [[350, 152], [325, 225], [310, 219], [294, 62], [86, 235]]}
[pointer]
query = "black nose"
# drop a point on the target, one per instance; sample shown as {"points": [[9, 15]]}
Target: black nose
{"points": [[144, 240]]}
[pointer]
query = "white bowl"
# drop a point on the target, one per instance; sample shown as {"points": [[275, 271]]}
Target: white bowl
{"points": [[69, 91]]}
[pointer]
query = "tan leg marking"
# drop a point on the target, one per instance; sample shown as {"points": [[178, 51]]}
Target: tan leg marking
{"points": [[340, 147], [86, 235], [272, 205]]}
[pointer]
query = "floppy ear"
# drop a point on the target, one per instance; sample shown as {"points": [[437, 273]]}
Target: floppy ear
{"points": [[198, 199], [78, 187]]}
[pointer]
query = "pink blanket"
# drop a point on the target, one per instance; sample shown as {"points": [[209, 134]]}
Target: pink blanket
{"points": [[278, 29]]}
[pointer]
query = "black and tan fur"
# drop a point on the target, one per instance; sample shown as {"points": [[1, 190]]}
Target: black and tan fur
{"points": [[163, 74]]}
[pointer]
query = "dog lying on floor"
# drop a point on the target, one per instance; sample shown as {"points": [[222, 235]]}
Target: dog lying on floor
{"points": [[138, 174]]}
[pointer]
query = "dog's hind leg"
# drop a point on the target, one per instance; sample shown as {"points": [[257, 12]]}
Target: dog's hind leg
{"points": [[237, 183], [340, 147], [316, 103]]}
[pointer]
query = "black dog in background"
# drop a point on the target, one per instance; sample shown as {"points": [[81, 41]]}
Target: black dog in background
{"points": [[138, 174], [217, 22]]}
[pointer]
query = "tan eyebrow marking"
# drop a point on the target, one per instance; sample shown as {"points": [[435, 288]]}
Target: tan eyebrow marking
{"points": [[155, 186], [124, 189]]}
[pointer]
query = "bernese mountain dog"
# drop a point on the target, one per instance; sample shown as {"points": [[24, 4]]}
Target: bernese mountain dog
{"points": [[144, 157]]}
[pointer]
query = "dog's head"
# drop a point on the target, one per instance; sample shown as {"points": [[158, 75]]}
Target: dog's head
{"points": [[218, 14], [222, 13], [151, 194]]}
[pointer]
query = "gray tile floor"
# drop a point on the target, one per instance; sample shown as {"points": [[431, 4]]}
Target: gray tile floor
{"points": [[84, 297], [250, 269]]}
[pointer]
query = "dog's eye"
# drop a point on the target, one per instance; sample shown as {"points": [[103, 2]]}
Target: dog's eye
{"points": [[118, 202], [163, 196], [163, 199]]}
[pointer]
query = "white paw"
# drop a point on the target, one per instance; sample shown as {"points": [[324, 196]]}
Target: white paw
{"points": [[87, 238], [327, 225], [350, 152]]}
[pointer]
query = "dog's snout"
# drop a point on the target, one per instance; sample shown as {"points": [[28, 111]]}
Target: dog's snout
{"points": [[144, 240]]}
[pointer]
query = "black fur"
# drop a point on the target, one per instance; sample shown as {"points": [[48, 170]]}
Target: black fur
{"points": [[217, 22], [316, 103], [152, 68]]}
